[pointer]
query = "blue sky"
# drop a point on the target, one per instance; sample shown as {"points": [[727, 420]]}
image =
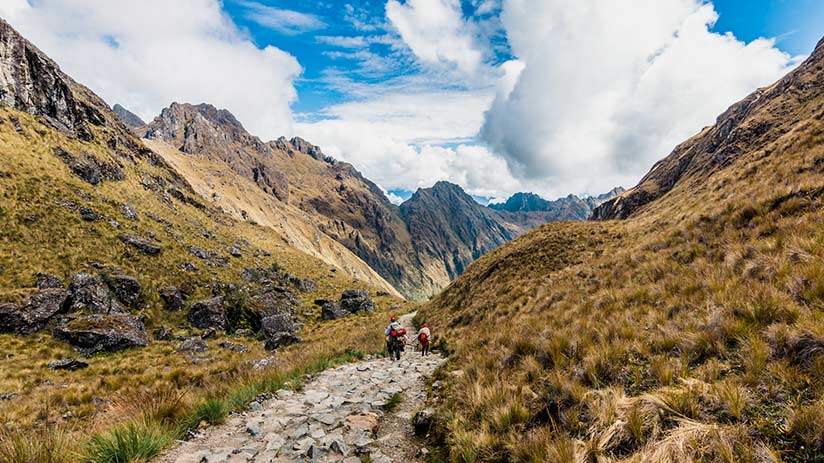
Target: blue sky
{"points": [[497, 96], [797, 26]]}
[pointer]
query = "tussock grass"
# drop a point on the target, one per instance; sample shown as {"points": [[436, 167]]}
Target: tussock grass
{"points": [[692, 332]]}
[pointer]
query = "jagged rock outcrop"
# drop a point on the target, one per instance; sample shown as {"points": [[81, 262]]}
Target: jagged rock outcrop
{"points": [[103, 333], [746, 127], [129, 118], [90, 293], [35, 312], [278, 330]]}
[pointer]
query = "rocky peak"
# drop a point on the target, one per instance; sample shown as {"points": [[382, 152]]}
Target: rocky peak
{"points": [[522, 202], [302, 146], [746, 127], [129, 118], [31, 82]]}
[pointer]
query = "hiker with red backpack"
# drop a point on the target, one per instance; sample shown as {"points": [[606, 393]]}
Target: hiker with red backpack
{"points": [[395, 334], [423, 339]]}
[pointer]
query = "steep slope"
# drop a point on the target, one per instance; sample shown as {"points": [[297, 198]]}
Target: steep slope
{"points": [[746, 129], [449, 229], [691, 331], [320, 197], [102, 244], [129, 118]]}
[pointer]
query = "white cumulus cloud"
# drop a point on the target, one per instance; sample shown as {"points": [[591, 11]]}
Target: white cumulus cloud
{"points": [[608, 87], [436, 32], [147, 54]]}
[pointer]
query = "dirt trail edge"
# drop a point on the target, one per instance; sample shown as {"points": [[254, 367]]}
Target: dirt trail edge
{"points": [[337, 417]]}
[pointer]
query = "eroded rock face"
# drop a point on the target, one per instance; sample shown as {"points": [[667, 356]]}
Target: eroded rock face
{"points": [[103, 333], [34, 314], [356, 300], [33, 83], [89, 292], [209, 313], [279, 330]]}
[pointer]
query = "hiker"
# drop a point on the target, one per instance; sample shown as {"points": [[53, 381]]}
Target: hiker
{"points": [[424, 336], [394, 338]]}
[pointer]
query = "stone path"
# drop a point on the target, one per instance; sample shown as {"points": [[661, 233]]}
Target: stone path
{"points": [[337, 417]]}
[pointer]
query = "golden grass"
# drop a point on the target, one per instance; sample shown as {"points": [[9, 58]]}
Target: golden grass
{"points": [[692, 332], [141, 398]]}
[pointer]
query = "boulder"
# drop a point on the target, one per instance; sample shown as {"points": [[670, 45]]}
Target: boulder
{"points": [[208, 333], [173, 298], [330, 310], [67, 364], [35, 312], [141, 244], [103, 333], [209, 313], [47, 281], [356, 300], [192, 345], [126, 288], [88, 292], [273, 302], [234, 251], [278, 330]]}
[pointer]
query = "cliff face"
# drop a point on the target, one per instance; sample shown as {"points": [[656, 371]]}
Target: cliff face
{"points": [[746, 127]]}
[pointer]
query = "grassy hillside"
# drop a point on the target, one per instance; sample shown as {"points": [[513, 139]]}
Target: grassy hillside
{"points": [[42, 204], [692, 331]]}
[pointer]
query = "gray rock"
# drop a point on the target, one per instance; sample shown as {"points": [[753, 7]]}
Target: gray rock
{"points": [[255, 406], [36, 311], [172, 298], [47, 281], [67, 364], [103, 333], [235, 252], [356, 300], [141, 244], [88, 292], [208, 333], [330, 310], [129, 212], [7, 396], [244, 333], [278, 330], [88, 167], [209, 313], [339, 446], [229, 345], [192, 345], [126, 288]]}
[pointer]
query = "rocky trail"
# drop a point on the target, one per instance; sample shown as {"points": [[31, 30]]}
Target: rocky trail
{"points": [[338, 416]]}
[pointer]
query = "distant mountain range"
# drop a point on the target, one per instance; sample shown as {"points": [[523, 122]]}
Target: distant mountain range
{"points": [[330, 210], [311, 202]]}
